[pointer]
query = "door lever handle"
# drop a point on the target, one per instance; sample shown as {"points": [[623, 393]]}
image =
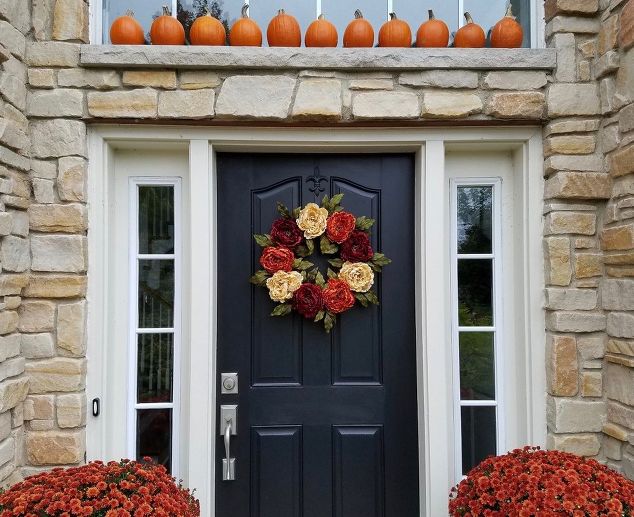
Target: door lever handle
{"points": [[228, 427]]}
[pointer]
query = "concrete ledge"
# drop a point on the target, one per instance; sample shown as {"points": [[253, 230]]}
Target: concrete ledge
{"points": [[252, 58]]}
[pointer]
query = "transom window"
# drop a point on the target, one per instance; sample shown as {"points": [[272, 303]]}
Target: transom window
{"points": [[485, 12]]}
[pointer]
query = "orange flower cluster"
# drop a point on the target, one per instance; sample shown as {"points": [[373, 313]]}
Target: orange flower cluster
{"points": [[530, 482], [118, 489]]}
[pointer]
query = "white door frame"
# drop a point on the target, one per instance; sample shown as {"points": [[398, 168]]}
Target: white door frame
{"points": [[434, 362]]}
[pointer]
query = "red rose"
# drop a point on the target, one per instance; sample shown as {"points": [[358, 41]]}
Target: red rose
{"points": [[337, 296], [339, 226], [285, 232], [357, 248], [308, 300], [277, 259]]}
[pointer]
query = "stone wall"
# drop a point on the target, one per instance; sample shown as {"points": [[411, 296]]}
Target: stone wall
{"points": [[585, 106]]}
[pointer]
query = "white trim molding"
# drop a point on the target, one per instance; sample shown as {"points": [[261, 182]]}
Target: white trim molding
{"points": [[434, 358]]}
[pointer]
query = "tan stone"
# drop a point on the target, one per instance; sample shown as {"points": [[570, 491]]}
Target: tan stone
{"points": [[71, 179], [40, 407], [556, 7], [82, 78], [55, 447], [620, 414], [38, 346], [573, 163], [608, 35], [71, 327], [56, 103], [59, 253], [445, 105], [318, 99], [618, 238], [572, 321], [626, 32], [575, 416], [588, 265], [517, 105], [71, 410], [70, 20], [562, 366], [557, 257], [140, 103], [371, 84], [57, 374], [625, 77], [440, 79], [57, 137], [42, 77], [591, 384], [55, 286], [578, 185], [571, 126], [12, 284], [620, 324], [616, 431], [619, 259], [256, 96], [573, 99], [14, 254], [620, 383], [622, 161], [49, 53], [199, 79], [570, 144], [570, 299], [192, 104], [13, 392], [621, 346], [69, 218], [36, 316], [385, 104], [43, 190], [580, 444], [515, 80], [153, 78], [570, 222], [573, 25]]}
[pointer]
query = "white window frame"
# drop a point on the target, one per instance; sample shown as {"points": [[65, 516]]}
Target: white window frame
{"points": [[134, 331], [538, 24]]}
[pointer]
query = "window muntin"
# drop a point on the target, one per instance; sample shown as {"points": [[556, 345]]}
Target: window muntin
{"points": [[476, 324], [155, 315]]}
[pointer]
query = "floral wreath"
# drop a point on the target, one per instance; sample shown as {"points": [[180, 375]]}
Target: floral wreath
{"points": [[296, 284]]}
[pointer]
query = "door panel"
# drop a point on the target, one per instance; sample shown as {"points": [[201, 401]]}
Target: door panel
{"points": [[327, 423]]}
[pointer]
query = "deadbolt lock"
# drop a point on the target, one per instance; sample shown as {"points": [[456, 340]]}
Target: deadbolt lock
{"points": [[229, 383]]}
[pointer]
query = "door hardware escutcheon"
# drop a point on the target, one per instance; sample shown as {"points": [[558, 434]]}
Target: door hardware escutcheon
{"points": [[229, 383], [228, 427]]}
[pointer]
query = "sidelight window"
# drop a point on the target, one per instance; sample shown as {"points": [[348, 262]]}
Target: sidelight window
{"points": [[476, 321], [155, 316]]}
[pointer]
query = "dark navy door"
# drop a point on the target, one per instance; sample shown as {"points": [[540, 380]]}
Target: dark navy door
{"points": [[327, 423]]}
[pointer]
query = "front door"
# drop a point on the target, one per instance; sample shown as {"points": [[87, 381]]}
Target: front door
{"points": [[326, 423]]}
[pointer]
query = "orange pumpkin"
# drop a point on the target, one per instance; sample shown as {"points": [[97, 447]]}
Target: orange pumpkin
{"points": [[167, 30], [507, 33], [207, 30], [321, 33], [395, 33], [359, 32], [125, 30], [284, 31], [432, 33], [245, 32], [470, 35]]}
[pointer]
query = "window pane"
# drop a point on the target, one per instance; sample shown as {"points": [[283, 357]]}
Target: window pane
{"points": [[156, 220], [474, 219], [144, 11], [342, 13], [154, 436], [263, 12], [478, 435], [156, 293], [475, 292], [487, 13], [227, 11], [415, 13], [155, 367], [477, 366]]}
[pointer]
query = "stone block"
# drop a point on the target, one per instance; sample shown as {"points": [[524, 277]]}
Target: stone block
{"points": [[625, 77], [608, 63], [192, 104], [619, 383], [36, 316], [71, 21], [561, 366], [5, 425], [620, 414], [385, 104], [573, 99], [620, 324], [626, 119], [140, 103], [579, 444], [618, 238], [588, 265], [43, 19], [557, 258], [318, 99], [8, 322], [578, 185], [372, 84], [12, 135], [570, 222], [570, 299], [71, 327], [199, 79], [71, 410], [71, 179], [11, 368], [608, 34], [39, 407], [43, 190], [566, 57], [517, 105], [571, 126], [12, 39], [55, 447], [622, 161], [52, 53], [58, 137], [14, 254], [572, 24], [583, 163], [55, 286], [57, 374], [68, 218], [58, 253], [13, 90], [12, 284], [7, 451], [570, 144], [42, 77], [612, 447], [440, 79], [82, 78], [591, 347], [617, 295], [626, 32], [565, 321], [44, 169], [554, 8], [56, 103], [13, 392], [609, 138], [515, 80], [446, 105], [592, 384], [38, 346], [575, 416], [265, 97], [151, 78]]}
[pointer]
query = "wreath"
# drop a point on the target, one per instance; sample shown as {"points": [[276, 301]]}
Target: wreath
{"points": [[296, 284]]}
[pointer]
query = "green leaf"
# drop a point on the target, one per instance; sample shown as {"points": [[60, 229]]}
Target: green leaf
{"points": [[327, 247], [364, 223], [374, 267], [296, 263], [331, 273], [283, 309], [259, 278], [304, 276], [372, 298], [338, 263], [319, 279], [263, 240], [310, 244], [380, 260], [281, 208], [361, 299], [304, 265], [296, 212], [329, 321], [320, 316], [336, 200], [302, 251], [325, 201]]}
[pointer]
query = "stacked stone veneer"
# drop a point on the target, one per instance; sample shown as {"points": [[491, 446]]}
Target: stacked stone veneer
{"points": [[48, 98]]}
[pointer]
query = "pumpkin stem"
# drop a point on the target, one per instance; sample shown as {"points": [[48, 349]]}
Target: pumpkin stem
{"points": [[392, 16], [245, 11], [321, 17], [467, 17], [166, 11], [431, 15], [281, 11], [130, 13], [358, 14], [509, 11]]}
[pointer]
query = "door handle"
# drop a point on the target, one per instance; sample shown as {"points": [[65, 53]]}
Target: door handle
{"points": [[228, 427]]}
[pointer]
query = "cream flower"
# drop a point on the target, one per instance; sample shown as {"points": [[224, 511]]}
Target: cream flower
{"points": [[358, 275], [312, 219], [282, 285]]}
